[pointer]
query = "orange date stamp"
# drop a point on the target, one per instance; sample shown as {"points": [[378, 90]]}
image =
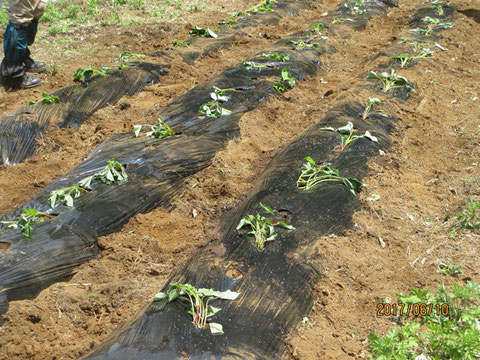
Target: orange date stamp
{"points": [[386, 309]]}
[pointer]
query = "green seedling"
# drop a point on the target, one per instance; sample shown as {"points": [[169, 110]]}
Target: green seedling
{"points": [[470, 217], [83, 75], [262, 228], [113, 173], [318, 28], [220, 95], [276, 57], [237, 14], [127, 55], [313, 174], [368, 107], [264, 6], [229, 22], [178, 43], [357, 7], [197, 303], [390, 80], [452, 270], [46, 100], [203, 32], [438, 6], [27, 219], [433, 24], [300, 45], [65, 195], [338, 20], [160, 131], [286, 82], [213, 109], [347, 136], [405, 58], [253, 65]]}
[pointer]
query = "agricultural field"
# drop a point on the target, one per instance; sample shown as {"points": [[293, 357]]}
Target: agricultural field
{"points": [[269, 179]]}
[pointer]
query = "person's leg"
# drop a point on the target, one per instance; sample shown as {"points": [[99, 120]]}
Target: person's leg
{"points": [[20, 32]]}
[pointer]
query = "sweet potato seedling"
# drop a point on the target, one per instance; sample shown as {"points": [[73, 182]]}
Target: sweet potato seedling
{"points": [[26, 220], [347, 137], [390, 80], [286, 82], [339, 20], [313, 174], [221, 94], [405, 59], [127, 56], [249, 65], [368, 107], [318, 28], [276, 57], [264, 6], [203, 32], [113, 173], [357, 7], [159, 131], [83, 75], [196, 302], [213, 109], [261, 228], [433, 24], [300, 45], [46, 100], [178, 43], [229, 22]]}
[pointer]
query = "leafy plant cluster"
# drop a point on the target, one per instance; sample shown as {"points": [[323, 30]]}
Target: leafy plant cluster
{"points": [[159, 131], [127, 56], [347, 137], [46, 100], [339, 20], [432, 24], [213, 109], [453, 336], [84, 75], [178, 43], [420, 49], [113, 173], [262, 228], [314, 174], [356, 7], [203, 32], [276, 57], [26, 221], [390, 80], [287, 81], [371, 102], [316, 30], [470, 217], [197, 303]]}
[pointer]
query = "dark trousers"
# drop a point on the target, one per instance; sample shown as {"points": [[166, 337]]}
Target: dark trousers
{"points": [[16, 40]]}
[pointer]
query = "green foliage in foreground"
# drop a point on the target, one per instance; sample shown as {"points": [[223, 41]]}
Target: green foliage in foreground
{"points": [[435, 337]]}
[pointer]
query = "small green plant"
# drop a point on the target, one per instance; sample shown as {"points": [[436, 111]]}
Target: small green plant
{"points": [[46, 100], [178, 43], [160, 131], [264, 6], [203, 32], [84, 75], [276, 57], [261, 228], [300, 45], [313, 174], [390, 80], [433, 24], [127, 56], [237, 14], [197, 302], [26, 220], [470, 217], [52, 69], [229, 22], [221, 94], [339, 20], [113, 173], [438, 6], [405, 59], [287, 81], [347, 136], [213, 109], [448, 329], [65, 195], [253, 65], [318, 28], [450, 269], [356, 8], [371, 102]]}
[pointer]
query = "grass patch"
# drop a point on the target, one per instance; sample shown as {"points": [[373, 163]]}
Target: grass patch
{"points": [[455, 334]]}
